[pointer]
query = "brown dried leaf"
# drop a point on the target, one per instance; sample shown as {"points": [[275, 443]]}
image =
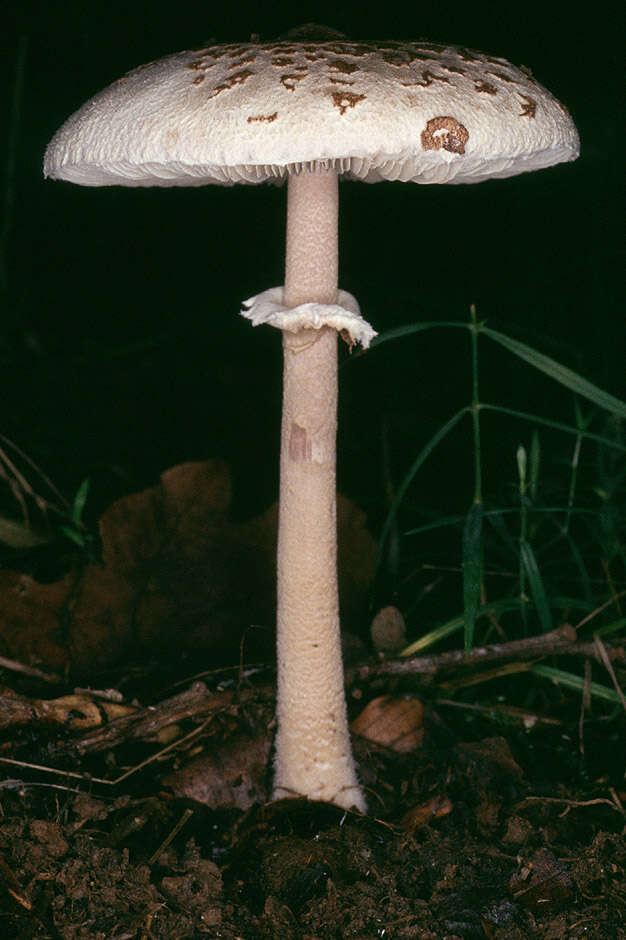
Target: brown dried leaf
{"points": [[31, 625], [175, 572], [434, 808], [492, 758], [229, 777], [393, 722]]}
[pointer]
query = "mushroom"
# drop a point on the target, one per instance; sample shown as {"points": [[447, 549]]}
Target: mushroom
{"points": [[308, 109]]}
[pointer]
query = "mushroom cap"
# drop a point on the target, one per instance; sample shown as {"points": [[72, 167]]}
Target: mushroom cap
{"points": [[251, 112]]}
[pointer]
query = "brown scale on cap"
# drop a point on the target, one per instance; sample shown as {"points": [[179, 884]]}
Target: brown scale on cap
{"points": [[345, 99], [236, 50], [453, 139], [501, 75], [485, 88], [529, 106], [263, 118], [394, 58], [343, 61], [428, 78], [290, 80], [340, 65], [467, 55], [344, 68], [237, 78], [243, 60]]}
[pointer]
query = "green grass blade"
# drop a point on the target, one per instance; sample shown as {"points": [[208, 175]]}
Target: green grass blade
{"points": [[570, 681], [497, 521], [433, 636], [411, 328], [472, 569], [579, 564], [535, 463], [556, 425], [73, 535], [563, 602], [423, 455], [78, 506], [611, 628], [493, 516], [441, 523], [555, 370], [535, 582], [497, 608], [560, 373]]}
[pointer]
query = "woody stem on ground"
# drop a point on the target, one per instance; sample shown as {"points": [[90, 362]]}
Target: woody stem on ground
{"points": [[313, 753]]}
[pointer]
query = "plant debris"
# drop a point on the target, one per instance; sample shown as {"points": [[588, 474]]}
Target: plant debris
{"points": [[134, 806]]}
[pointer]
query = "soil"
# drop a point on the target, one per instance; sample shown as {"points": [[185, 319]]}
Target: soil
{"points": [[473, 834]]}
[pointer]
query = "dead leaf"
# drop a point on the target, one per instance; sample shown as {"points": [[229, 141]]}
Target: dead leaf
{"points": [[231, 776], [393, 722], [434, 808], [176, 572], [492, 758]]}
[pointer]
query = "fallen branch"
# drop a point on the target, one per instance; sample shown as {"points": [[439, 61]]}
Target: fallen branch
{"points": [[80, 710], [197, 703], [15, 666], [560, 642]]}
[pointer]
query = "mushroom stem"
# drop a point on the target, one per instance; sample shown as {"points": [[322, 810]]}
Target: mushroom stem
{"points": [[312, 252], [313, 752]]}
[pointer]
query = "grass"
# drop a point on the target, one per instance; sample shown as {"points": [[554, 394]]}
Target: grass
{"points": [[45, 514], [563, 528]]}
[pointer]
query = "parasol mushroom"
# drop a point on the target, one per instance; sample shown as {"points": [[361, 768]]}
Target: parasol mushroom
{"points": [[308, 109]]}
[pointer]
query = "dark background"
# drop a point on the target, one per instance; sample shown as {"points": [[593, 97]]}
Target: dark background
{"points": [[121, 346]]}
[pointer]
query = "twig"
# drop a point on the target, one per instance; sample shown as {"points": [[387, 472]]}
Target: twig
{"points": [[88, 778], [616, 805], [598, 610], [72, 712], [585, 705], [561, 642], [196, 702], [170, 838], [510, 712], [13, 887], [604, 656], [16, 666], [609, 577], [82, 713]]}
